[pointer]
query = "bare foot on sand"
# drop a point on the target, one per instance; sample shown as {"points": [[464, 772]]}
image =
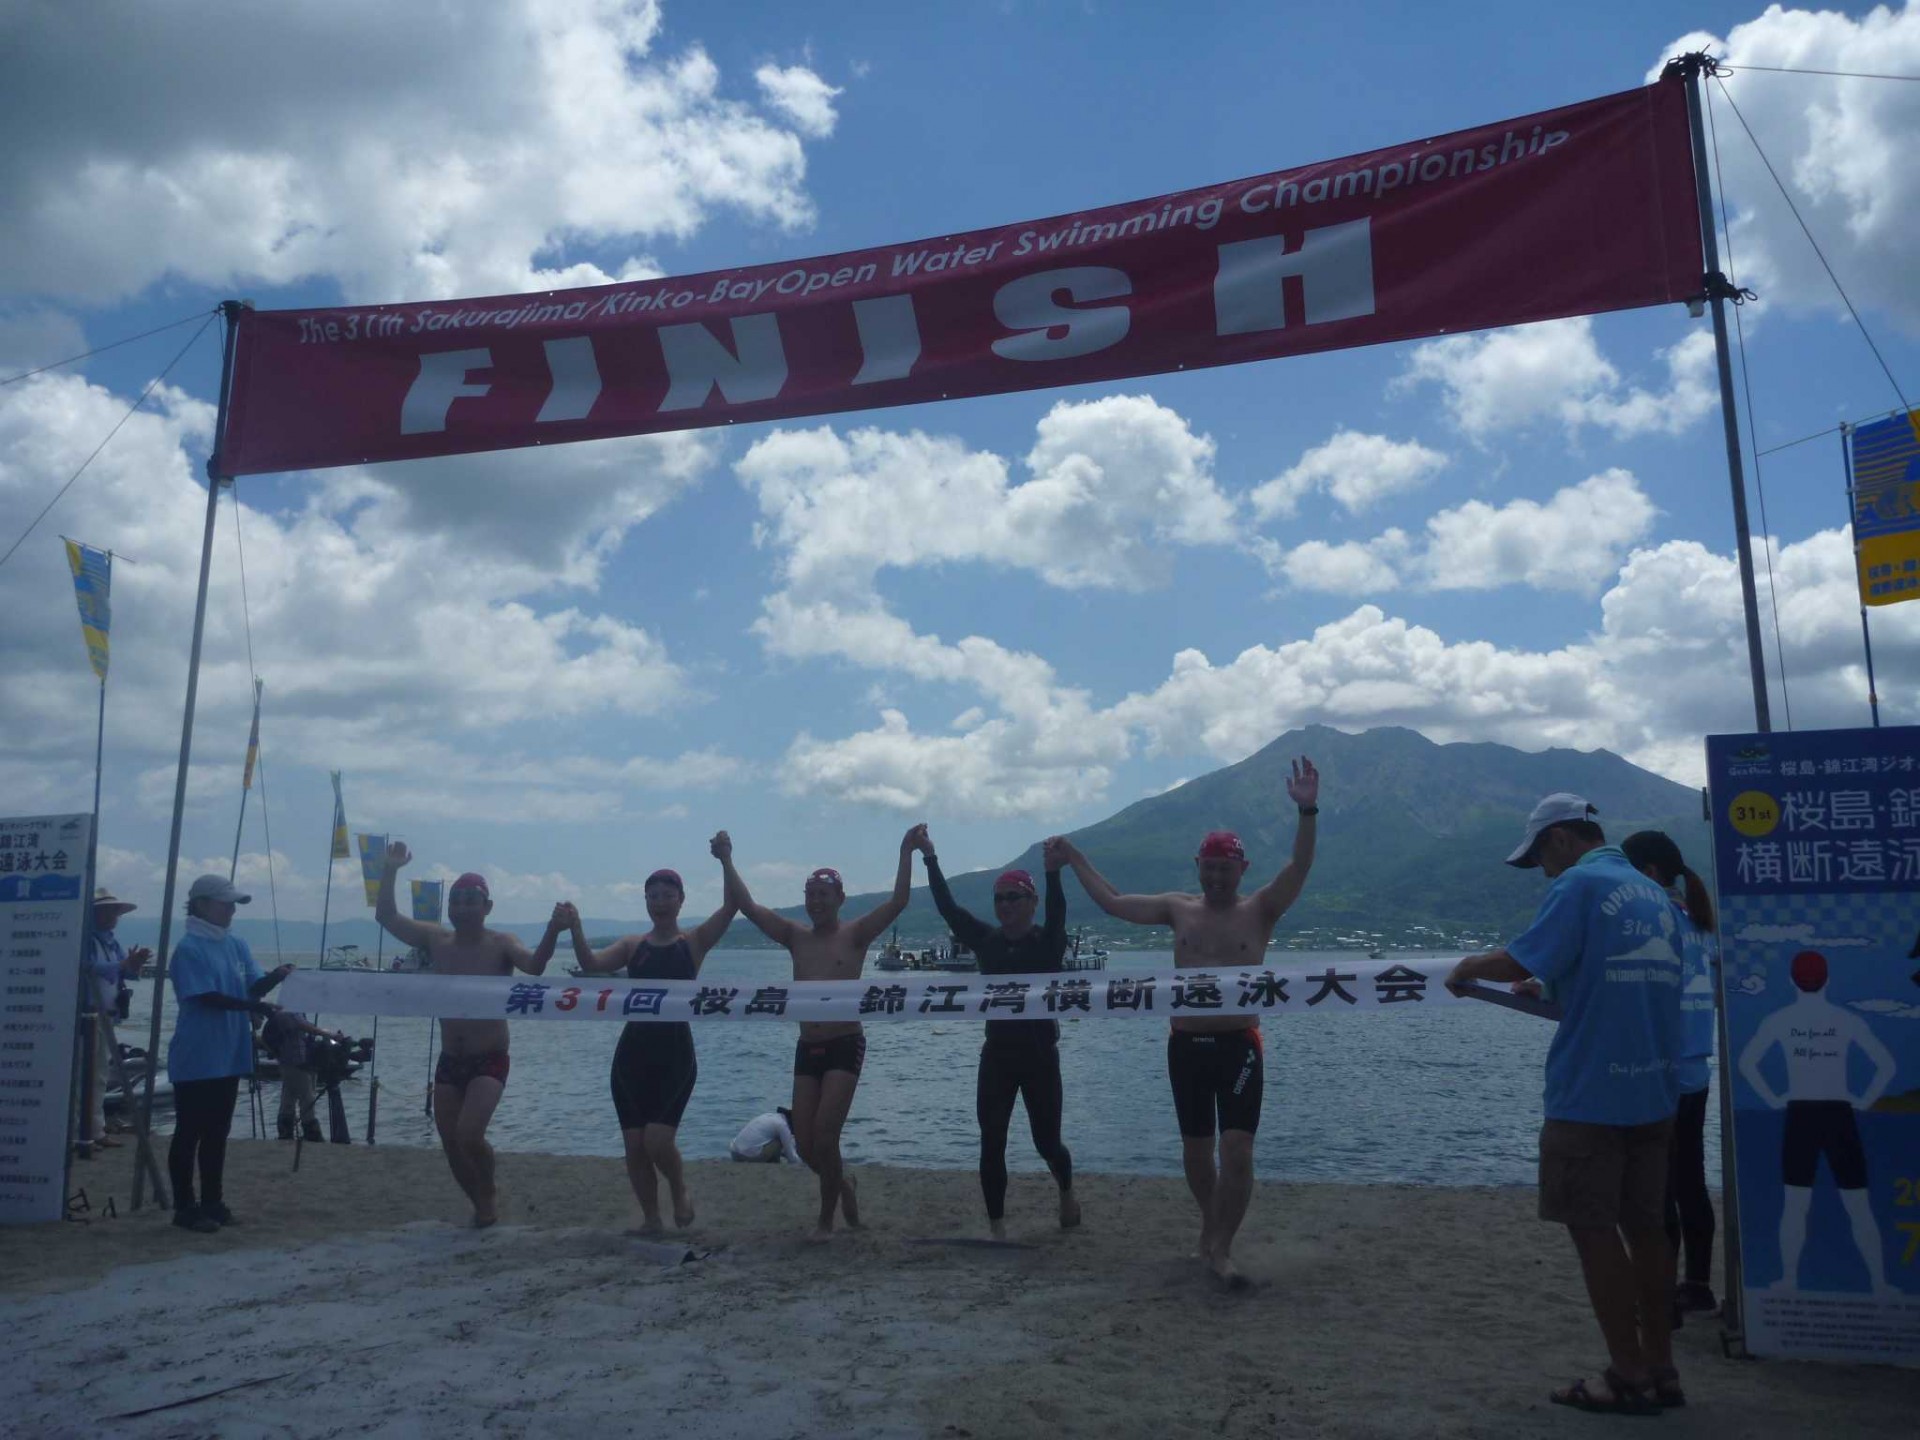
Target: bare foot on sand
{"points": [[997, 1229], [1204, 1251], [683, 1214], [850, 1203], [484, 1219], [1226, 1274], [1069, 1210], [821, 1235], [648, 1229]]}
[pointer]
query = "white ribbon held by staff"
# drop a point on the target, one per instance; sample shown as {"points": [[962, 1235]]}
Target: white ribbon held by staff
{"points": [[1330, 990]]}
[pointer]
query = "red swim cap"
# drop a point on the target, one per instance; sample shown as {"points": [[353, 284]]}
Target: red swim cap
{"points": [[826, 875], [471, 881], [1222, 845], [672, 877], [1809, 970], [1015, 880]]}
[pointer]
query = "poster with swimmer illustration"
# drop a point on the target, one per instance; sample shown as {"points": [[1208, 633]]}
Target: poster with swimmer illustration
{"points": [[1817, 857]]}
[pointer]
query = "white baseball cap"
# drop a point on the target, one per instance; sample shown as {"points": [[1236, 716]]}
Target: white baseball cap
{"points": [[216, 887], [1556, 809]]}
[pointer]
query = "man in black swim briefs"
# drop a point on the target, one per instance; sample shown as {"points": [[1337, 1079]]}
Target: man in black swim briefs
{"points": [[829, 1056], [472, 1071]]}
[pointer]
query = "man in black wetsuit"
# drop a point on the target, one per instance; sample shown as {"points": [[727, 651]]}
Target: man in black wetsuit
{"points": [[1020, 1057]]}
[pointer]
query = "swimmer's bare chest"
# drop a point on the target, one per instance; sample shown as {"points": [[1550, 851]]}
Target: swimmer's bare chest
{"points": [[1206, 938], [827, 957], [484, 957]]}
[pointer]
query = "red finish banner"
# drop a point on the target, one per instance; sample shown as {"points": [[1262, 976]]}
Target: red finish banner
{"points": [[1574, 211]]}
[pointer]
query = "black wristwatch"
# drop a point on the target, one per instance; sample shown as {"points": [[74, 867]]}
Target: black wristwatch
{"points": [[1309, 809]]}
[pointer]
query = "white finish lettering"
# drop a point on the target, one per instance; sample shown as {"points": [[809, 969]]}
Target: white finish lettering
{"points": [[576, 380], [1028, 305], [1335, 266], [889, 338], [441, 381], [697, 361]]}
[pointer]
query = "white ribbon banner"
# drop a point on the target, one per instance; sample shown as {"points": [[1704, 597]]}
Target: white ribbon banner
{"points": [[1329, 990]]}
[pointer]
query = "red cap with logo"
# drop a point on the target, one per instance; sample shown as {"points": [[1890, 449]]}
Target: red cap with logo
{"points": [[472, 881], [1222, 845], [826, 875], [1015, 880]]}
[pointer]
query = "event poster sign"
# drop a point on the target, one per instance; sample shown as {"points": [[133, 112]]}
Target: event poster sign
{"points": [[1817, 851], [43, 864], [1886, 509]]}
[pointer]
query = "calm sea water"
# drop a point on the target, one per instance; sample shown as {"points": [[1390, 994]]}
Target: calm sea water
{"points": [[1441, 1097]]}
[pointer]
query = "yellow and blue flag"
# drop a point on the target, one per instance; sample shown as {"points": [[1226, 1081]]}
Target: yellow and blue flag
{"points": [[373, 858], [340, 849], [253, 741], [92, 579], [426, 901]]}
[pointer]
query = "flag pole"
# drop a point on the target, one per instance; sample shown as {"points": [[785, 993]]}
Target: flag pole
{"points": [[1866, 631], [216, 480], [1718, 291]]}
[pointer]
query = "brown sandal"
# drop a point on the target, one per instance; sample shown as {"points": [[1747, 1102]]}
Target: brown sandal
{"points": [[1622, 1398], [1666, 1388]]}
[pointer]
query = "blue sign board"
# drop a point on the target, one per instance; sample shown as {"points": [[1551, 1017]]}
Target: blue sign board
{"points": [[1817, 853]]}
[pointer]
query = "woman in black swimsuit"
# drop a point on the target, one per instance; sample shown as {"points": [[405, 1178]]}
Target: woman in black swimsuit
{"points": [[653, 1066]]}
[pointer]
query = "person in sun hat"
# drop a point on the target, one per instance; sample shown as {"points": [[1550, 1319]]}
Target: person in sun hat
{"points": [[218, 988], [109, 966]]}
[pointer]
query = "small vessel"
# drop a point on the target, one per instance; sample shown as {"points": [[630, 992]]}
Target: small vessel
{"points": [[893, 957], [959, 959], [1374, 954], [346, 957], [1084, 952]]}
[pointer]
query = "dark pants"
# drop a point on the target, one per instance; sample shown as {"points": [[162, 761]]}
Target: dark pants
{"points": [[202, 1115], [1689, 1206], [1010, 1071]]}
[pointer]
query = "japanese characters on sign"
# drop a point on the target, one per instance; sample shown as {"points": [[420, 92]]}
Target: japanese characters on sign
{"points": [[42, 913], [1364, 985], [1817, 850]]}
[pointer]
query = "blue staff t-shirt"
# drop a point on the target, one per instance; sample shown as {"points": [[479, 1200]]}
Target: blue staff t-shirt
{"points": [[1608, 942], [1696, 1004], [209, 1044]]}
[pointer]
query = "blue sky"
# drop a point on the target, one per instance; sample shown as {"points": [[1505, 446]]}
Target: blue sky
{"points": [[567, 667]]}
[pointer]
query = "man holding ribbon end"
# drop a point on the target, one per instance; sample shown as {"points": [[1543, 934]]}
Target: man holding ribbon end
{"points": [[1606, 941]]}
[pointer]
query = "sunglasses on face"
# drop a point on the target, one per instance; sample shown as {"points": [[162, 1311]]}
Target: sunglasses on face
{"points": [[1010, 897]]}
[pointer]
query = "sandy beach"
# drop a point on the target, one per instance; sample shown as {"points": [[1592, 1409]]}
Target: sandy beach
{"points": [[352, 1300]]}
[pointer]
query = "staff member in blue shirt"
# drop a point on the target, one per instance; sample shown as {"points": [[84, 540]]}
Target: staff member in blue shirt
{"points": [[1606, 939], [217, 986], [1690, 1221]]}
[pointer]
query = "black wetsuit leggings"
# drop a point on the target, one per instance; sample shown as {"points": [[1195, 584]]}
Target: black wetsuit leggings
{"points": [[1031, 1071], [1689, 1206], [202, 1115]]}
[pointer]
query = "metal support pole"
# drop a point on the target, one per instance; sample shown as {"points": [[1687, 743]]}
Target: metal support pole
{"points": [[1692, 66], [230, 311], [1866, 631]]}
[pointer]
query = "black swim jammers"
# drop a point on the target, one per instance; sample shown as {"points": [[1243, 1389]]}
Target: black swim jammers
{"points": [[1218, 1072], [814, 1058]]}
